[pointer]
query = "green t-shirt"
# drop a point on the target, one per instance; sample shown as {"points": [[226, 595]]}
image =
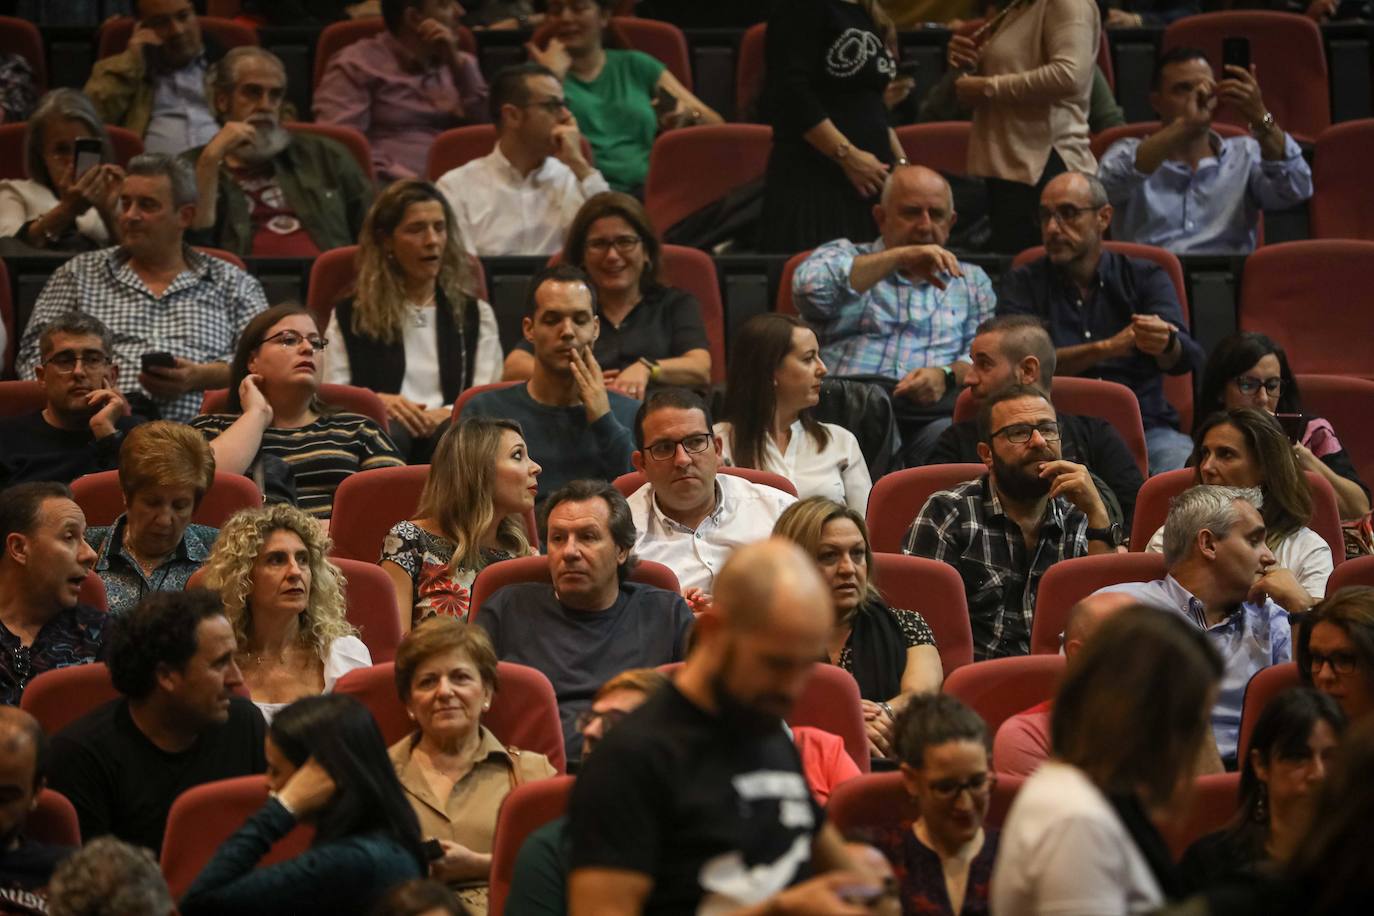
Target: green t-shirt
{"points": [[615, 112]]}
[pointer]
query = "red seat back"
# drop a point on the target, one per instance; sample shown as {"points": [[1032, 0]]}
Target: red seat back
{"points": [[338, 35], [227, 256], [351, 140], [332, 276], [785, 304], [368, 504], [102, 500], [999, 688], [58, 698], [1264, 685], [749, 67], [1065, 584], [1215, 800], [527, 808], [935, 591], [1356, 571], [1348, 403], [877, 801], [19, 36], [497, 576], [21, 397], [53, 819], [470, 393], [114, 34], [458, 146], [692, 270], [629, 483], [660, 40], [523, 714], [692, 167], [897, 498], [1342, 205], [92, 592], [938, 145], [347, 398]]}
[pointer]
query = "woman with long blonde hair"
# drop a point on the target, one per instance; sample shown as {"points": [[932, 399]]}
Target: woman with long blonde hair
{"points": [[481, 481]]}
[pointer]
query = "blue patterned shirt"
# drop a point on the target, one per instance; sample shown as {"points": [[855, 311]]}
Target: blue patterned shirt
{"points": [[125, 583], [75, 636], [895, 327]]}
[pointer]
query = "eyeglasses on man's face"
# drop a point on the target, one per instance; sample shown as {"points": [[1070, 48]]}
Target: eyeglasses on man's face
{"points": [[609, 718], [65, 361], [1064, 214], [1020, 433], [694, 444], [292, 339]]}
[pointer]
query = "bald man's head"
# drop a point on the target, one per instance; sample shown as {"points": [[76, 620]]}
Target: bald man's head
{"points": [[23, 750], [769, 578], [917, 208], [1089, 614]]}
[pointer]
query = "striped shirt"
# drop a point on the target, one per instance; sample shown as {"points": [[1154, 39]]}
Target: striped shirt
{"points": [[966, 528], [320, 454], [897, 325]]}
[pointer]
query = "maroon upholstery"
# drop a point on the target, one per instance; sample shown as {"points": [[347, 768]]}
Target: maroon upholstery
{"points": [[1348, 403], [999, 688], [1266, 684], [1342, 205], [58, 698], [102, 500], [897, 498], [1215, 800], [692, 167], [527, 808], [53, 819], [1065, 584], [785, 303], [938, 145], [19, 36], [749, 66], [880, 800], [935, 591], [351, 140], [472, 392]]}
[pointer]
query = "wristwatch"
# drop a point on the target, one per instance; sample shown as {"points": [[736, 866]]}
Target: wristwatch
{"points": [[951, 380], [1112, 534], [841, 151], [653, 367]]}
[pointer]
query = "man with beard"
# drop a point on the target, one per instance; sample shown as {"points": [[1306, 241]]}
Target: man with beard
{"points": [[1003, 530], [25, 866], [696, 801], [156, 86], [265, 191], [1110, 316], [900, 311]]}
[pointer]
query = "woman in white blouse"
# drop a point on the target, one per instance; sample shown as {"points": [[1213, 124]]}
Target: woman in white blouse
{"points": [[414, 331], [1126, 729], [768, 423]]}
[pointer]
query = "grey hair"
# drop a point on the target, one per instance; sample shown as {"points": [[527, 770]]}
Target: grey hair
{"points": [[75, 324], [890, 182], [66, 105], [224, 73], [1203, 507], [109, 877], [177, 171]]}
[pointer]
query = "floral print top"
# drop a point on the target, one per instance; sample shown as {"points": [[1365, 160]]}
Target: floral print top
{"points": [[425, 557]]}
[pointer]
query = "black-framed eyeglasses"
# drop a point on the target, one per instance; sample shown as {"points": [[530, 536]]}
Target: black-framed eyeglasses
{"points": [[622, 243], [1063, 214], [292, 339], [1340, 662], [610, 718], [1020, 433], [1248, 385], [552, 106], [694, 444], [65, 361], [977, 785]]}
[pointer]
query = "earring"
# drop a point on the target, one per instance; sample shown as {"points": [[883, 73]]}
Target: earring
{"points": [[1261, 805], [486, 707]]}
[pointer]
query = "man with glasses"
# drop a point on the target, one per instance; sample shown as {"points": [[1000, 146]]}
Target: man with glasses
{"points": [[82, 424], [1003, 530], [689, 517], [1110, 316], [521, 198]]}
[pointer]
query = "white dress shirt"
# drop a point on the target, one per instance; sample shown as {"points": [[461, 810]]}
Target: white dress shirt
{"points": [[1304, 553], [837, 471], [745, 512], [501, 212]]}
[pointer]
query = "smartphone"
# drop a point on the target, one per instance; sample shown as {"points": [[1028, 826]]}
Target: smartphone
{"points": [[89, 153], [908, 68], [160, 360], [664, 101], [1293, 425], [1235, 52], [433, 850]]}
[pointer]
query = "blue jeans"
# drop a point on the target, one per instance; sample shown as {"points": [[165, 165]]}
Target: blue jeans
{"points": [[1168, 448]]}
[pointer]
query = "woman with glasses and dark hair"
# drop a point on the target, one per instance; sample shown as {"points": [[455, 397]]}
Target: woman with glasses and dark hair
{"points": [[1335, 651], [275, 412], [326, 766], [1250, 370], [650, 333]]}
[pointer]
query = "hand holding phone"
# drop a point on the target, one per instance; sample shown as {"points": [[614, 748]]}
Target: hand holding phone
{"points": [[158, 360], [1235, 52], [89, 153]]}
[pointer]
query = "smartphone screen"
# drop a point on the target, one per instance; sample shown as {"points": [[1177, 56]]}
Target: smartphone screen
{"points": [[89, 152], [1235, 52]]}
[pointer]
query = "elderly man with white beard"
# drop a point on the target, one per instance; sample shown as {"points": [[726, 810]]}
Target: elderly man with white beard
{"points": [[266, 191]]}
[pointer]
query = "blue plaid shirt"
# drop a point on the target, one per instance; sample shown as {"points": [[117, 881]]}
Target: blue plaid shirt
{"points": [[125, 581], [897, 325]]}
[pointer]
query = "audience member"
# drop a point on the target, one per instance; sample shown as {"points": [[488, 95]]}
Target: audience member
{"points": [[890, 651], [1135, 14], [832, 146], [414, 330], [621, 99], [900, 311], [173, 312], [285, 601], [1022, 743], [501, 15], [650, 333], [404, 86], [1129, 720], [165, 470], [1186, 189], [576, 428], [82, 425], [55, 208], [156, 86], [768, 423], [1336, 650], [1293, 745], [590, 622], [1246, 448], [1219, 575], [455, 773], [109, 877], [1004, 529], [26, 866], [43, 625], [18, 94], [688, 516], [521, 197], [699, 796], [1110, 316], [1017, 350], [274, 412], [179, 722], [1250, 370], [471, 513], [420, 897], [266, 191], [327, 766]]}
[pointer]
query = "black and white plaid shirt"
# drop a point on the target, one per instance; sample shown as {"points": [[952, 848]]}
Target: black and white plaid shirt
{"points": [[198, 317], [966, 528]]}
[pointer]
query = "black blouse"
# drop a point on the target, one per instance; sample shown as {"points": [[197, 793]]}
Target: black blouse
{"points": [[666, 323]]}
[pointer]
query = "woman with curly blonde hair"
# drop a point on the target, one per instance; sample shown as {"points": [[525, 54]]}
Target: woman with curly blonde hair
{"points": [[286, 603], [414, 330]]}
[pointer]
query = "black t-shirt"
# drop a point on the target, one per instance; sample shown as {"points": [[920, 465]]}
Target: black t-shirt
{"points": [[33, 449], [24, 875], [666, 323], [123, 784], [712, 814]]}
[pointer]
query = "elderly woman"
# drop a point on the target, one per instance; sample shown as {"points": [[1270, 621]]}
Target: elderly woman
{"points": [[454, 771], [275, 412], [414, 330], [54, 207], [164, 470], [286, 603], [891, 652], [481, 482], [1336, 650]]}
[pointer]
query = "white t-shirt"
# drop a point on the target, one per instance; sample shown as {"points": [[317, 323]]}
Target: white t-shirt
{"points": [[1304, 553], [345, 654], [836, 472]]}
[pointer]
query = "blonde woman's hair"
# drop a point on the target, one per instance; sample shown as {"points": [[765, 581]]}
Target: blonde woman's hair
{"points": [[229, 571], [379, 302], [460, 491], [804, 522]]}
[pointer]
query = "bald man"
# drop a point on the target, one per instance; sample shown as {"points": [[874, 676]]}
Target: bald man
{"points": [[900, 311], [25, 866], [696, 801]]}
